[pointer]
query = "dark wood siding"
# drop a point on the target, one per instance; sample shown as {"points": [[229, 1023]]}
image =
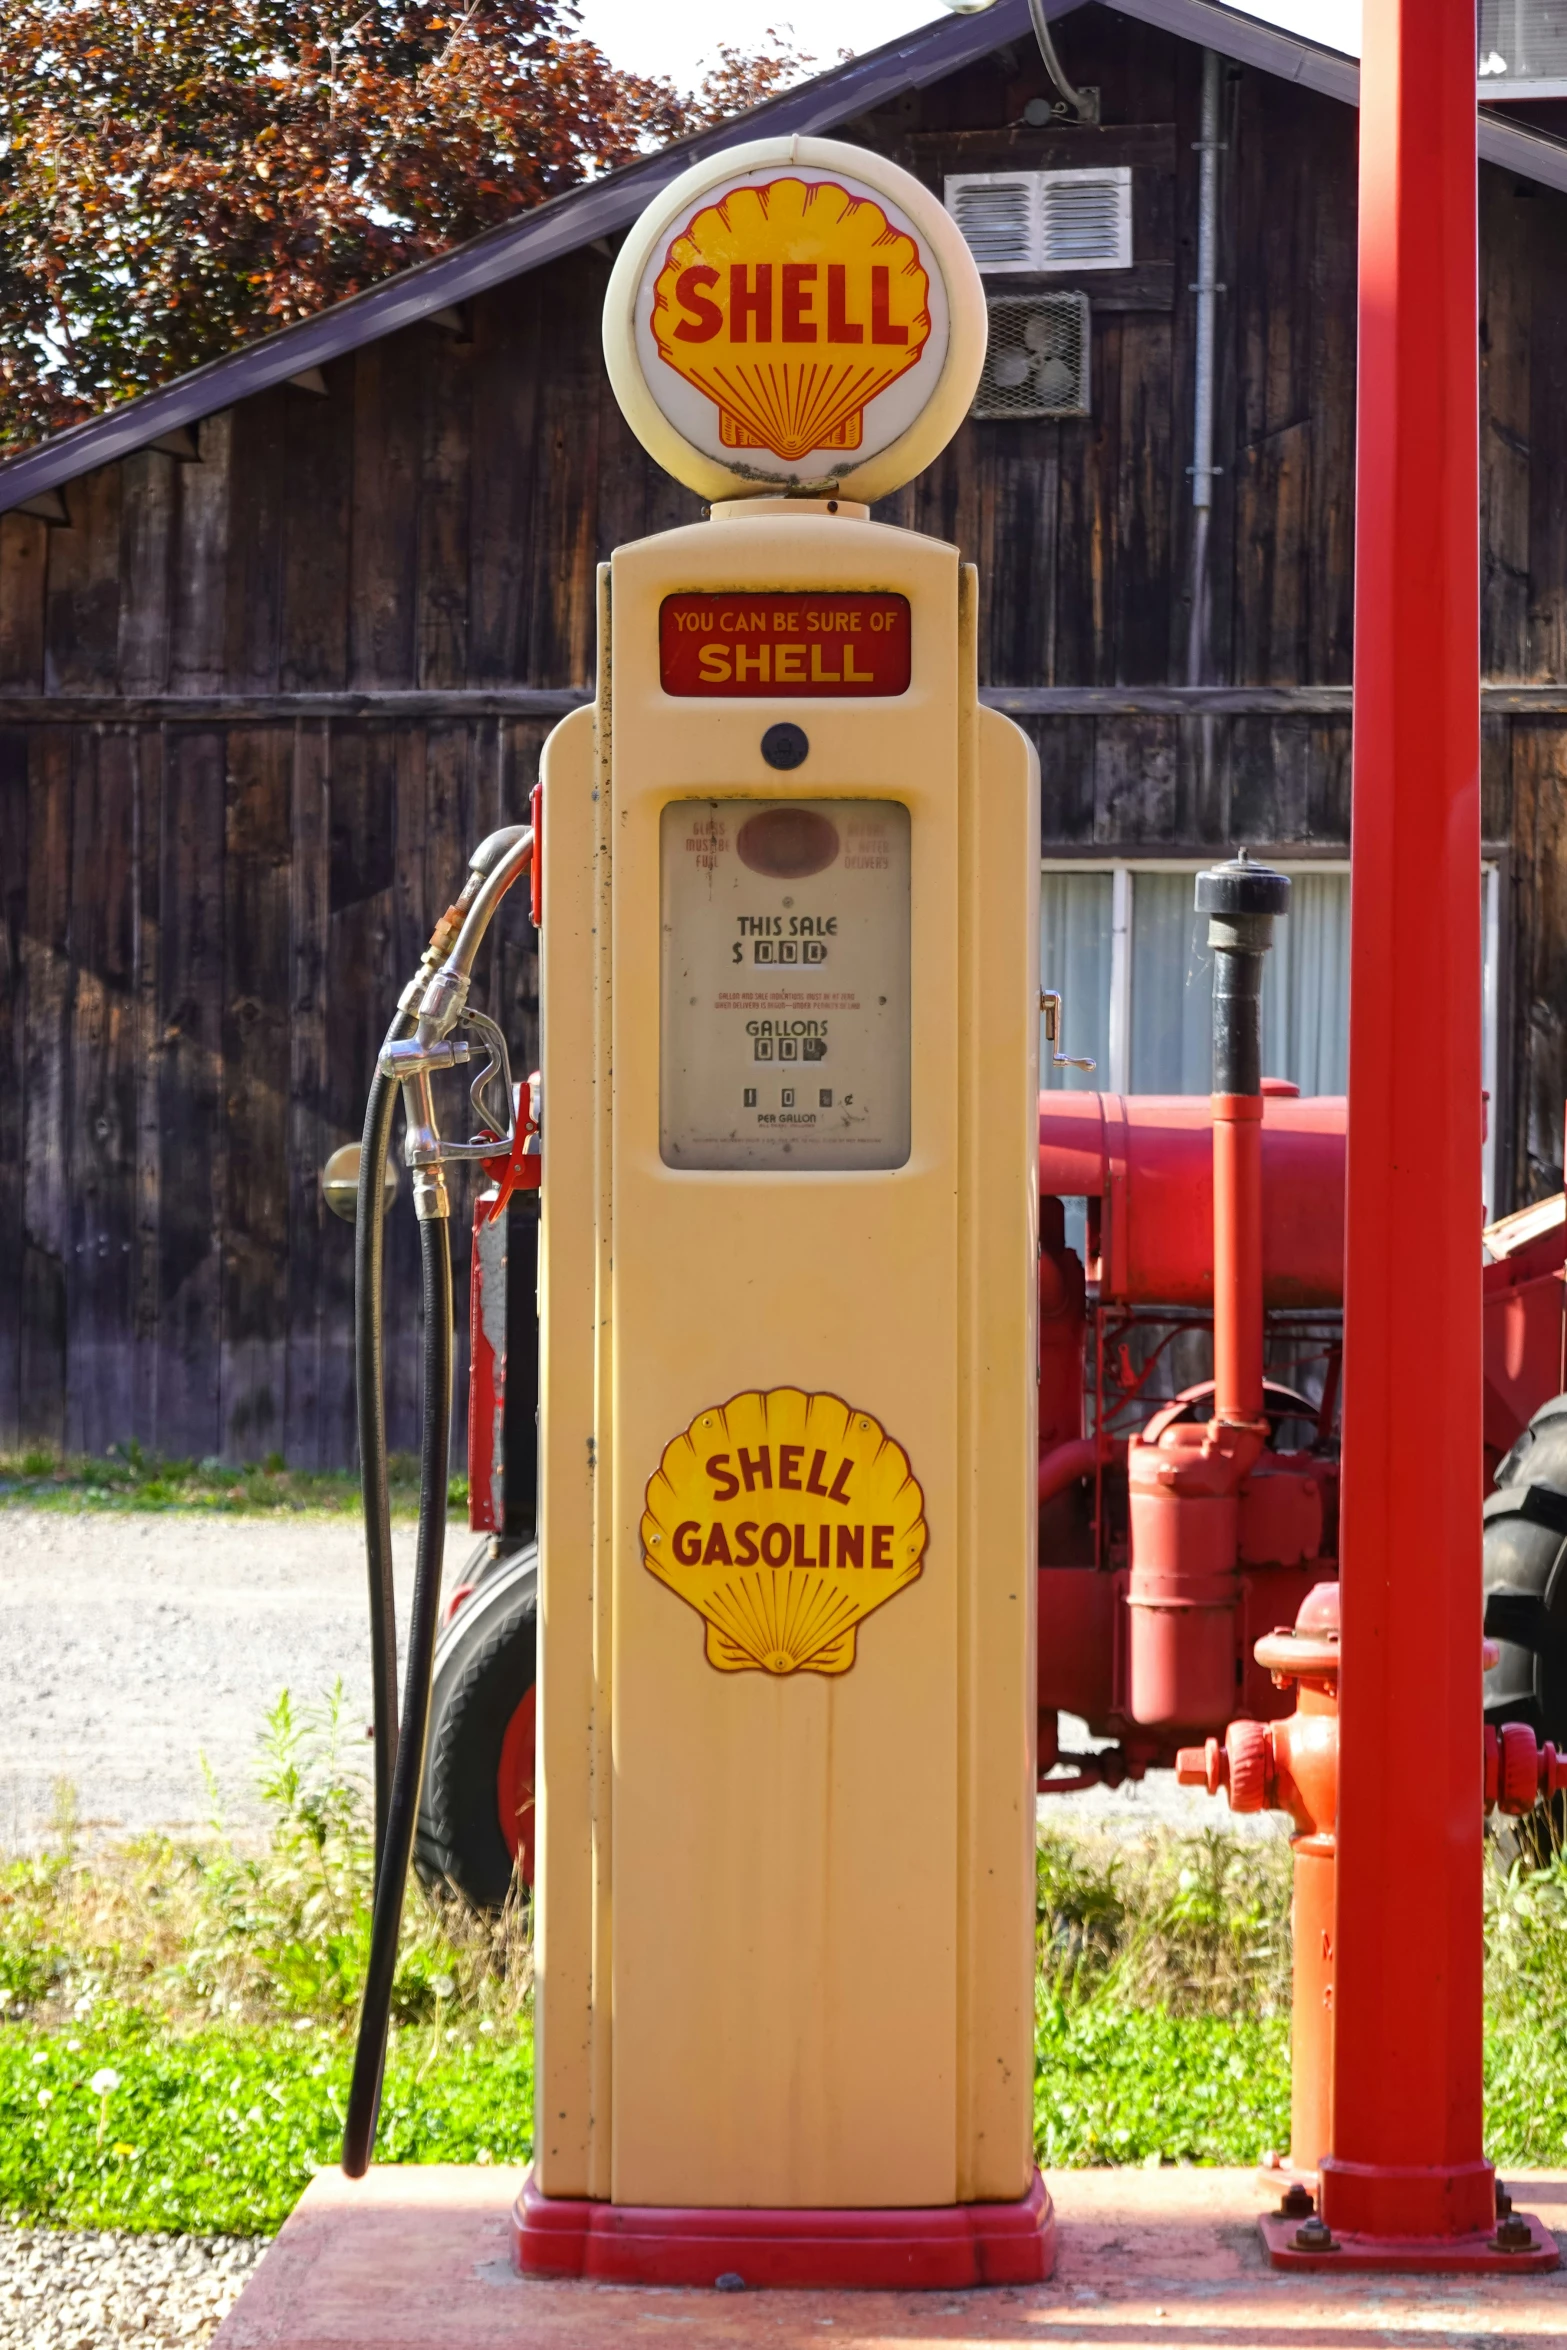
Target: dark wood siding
{"points": [[221, 844]]}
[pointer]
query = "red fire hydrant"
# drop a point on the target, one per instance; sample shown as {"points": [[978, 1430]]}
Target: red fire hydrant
{"points": [[1292, 1766]]}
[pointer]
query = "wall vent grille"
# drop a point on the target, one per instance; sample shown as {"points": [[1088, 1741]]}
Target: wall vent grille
{"points": [[996, 215], [1037, 358], [1033, 221]]}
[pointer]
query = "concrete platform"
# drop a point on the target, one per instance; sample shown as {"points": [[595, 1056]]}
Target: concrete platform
{"points": [[416, 2259]]}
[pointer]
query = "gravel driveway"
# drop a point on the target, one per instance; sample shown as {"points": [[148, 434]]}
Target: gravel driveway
{"points": [[133, 1646], [85, 2289]]}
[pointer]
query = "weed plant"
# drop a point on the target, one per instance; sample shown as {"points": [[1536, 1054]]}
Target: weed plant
{"points": [[1526, 1997], [184, 1934], [127, 1478], [1194, 1925], [178, 2015], [1162, 2000]]}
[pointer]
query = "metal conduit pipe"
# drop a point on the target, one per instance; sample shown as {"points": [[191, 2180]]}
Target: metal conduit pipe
{"points": [[1207, 292]]}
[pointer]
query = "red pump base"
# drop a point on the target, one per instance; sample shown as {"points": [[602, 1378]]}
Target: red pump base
{"points": [[945, 2249], [1412, 2255]]}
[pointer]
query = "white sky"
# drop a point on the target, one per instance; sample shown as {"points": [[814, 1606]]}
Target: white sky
{"points": [[674, 37]]}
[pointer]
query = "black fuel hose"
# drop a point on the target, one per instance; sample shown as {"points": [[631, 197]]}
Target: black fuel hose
{"points": [[369, 1331], [399, 1751], [364, 2095], [370, 1393]]}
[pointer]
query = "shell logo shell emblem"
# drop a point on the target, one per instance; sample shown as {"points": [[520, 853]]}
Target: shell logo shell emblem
{"points": [[794, 316], [792, 305], [784, 1519]]}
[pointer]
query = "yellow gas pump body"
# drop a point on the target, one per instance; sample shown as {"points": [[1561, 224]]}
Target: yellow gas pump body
{"points": [[788, 1430]]}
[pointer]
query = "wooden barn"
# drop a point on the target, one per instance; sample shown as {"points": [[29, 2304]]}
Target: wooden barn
{"points": [[278, 642]]}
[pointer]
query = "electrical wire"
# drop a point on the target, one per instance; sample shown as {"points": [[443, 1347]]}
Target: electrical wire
{"points": [[364, 2094]]}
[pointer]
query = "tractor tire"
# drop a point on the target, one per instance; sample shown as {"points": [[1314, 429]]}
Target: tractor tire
{"points": [[475, 1833], [1525, 1544]]}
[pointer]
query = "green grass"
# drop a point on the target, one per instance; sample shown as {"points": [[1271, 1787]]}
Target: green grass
{"points": [[211, 1991], [212, 1988], [218, 2133], [1163, 2028], [1526, 2012], [126, 1478], [1127, 2085]]}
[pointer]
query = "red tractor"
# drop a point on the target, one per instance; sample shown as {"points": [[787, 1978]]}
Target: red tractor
{"points": [[1189, 1360]]}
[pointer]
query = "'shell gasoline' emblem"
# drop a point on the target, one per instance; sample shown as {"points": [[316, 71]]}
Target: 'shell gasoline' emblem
{"points": [[783, 1519], [792, 306]]}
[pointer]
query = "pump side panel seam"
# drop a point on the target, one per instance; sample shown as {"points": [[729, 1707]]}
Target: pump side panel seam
{"points": [[566, 2026]]}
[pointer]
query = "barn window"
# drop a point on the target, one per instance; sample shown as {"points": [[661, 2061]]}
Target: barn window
{"points": [[1128, 954], [1038, 221], [1523, 49], [1037, 357]]}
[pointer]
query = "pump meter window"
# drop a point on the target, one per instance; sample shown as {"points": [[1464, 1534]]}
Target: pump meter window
{"points": [[785, 975]]}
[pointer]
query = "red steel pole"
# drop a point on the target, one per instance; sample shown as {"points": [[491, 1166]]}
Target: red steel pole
{"points": [[1407, 2154]]}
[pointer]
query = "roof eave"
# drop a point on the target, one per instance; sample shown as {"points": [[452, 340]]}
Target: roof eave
{"points": [[543, 234], [604, 207]]}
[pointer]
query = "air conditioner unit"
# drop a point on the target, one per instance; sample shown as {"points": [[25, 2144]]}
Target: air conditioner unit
{"points": [[1522, 49], [1037, 221], [1037, 358]]}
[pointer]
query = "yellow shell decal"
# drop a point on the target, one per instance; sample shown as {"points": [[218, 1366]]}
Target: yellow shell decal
{"points": [[783, 1519], [791, 305]]}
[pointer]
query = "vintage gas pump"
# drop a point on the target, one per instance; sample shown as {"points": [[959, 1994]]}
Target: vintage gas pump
{"points": [[788, 1428]]}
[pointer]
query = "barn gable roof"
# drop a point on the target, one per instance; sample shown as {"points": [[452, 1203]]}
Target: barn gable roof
{"points": [[604, 207]]}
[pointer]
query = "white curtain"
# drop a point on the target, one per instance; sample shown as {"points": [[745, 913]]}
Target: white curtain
{"points": [[1305, 987], [1172, 987], [1305, 995]]}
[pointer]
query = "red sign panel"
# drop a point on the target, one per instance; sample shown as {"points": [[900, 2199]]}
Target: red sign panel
{"points": [[785, 645]]}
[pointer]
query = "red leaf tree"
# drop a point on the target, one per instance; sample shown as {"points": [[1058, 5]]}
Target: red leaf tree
{"points": [[177, 176]]}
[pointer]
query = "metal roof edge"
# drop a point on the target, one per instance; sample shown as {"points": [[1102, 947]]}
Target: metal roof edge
{"points": [[1247, 40], [1533, 154], [542, 234]]}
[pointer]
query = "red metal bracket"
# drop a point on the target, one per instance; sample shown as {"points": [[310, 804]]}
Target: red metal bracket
{"points": [[1519, 2246], [523, 1169]]}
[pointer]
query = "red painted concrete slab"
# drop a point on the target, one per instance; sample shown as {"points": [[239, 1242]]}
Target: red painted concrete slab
{"points": [[417, 2259]]}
